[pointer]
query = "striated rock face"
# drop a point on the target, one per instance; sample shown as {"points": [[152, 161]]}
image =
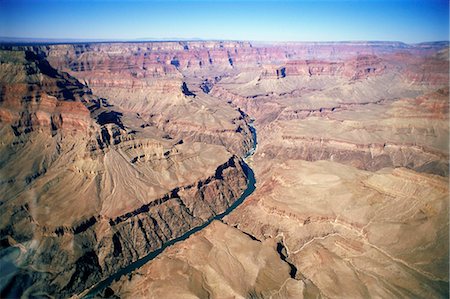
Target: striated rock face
{"points": [[354, 233], [147, 79], [406, 133], [34, 95], [366, 111], [360, 67], [213, 263], [369, 221], [87, 189], [367, 216], [110, 151]]}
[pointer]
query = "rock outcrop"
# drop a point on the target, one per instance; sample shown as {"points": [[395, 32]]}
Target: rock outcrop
{"points": [[109, 151], [213, 263], [369, 221], [353, 233], [87, 189]]}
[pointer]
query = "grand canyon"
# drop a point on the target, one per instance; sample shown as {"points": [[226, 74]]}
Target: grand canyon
{"points": [[224, 169]]}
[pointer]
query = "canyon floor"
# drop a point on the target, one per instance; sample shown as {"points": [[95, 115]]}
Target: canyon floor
{"points": [[290, 170]]}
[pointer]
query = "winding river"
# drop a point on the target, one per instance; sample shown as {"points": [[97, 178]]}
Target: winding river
{"points": [[139, 263]]}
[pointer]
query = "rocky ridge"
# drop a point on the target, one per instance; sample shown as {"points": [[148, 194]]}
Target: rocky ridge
{"points": [[87, 189], [171, 120], [351, 180]]}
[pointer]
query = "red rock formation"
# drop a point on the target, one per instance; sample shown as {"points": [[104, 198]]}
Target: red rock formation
{"points": [[360, 67], [78, 170], [33, 96], [95, 175]]}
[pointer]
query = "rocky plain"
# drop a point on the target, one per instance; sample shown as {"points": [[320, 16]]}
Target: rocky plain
{"points": [[224, 170]]}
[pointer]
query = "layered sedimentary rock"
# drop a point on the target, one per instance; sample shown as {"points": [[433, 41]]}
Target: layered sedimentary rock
{"points": [[111, 150], [407, 132], [88, 187], [219, 262], [145, 79], [370, 113], [335, 236], [372, 221], [360, 224], [362, 66], [354, 233]]}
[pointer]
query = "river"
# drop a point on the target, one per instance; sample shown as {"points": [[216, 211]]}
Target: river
{"points": [[251, 181]]}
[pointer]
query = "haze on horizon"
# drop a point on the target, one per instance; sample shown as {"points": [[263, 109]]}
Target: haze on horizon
{"points": [[332, 20]]}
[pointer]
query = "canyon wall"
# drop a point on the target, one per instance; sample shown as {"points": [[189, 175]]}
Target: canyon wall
{"points": [[89, 188], [352, 179], [111, 150]]}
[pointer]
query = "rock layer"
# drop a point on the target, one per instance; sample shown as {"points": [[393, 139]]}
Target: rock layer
{"points": [[215, 263], [108, 151], [86, 189]]}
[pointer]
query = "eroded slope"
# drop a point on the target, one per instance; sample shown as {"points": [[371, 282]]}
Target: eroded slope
{"points": [[351, 169], [89, 187]]}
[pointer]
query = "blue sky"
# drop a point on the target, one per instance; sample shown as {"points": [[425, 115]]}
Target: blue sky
{"points": [[308, 20]]}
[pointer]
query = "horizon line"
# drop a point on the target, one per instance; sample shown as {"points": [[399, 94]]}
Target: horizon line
{"points": [[43, 40]]}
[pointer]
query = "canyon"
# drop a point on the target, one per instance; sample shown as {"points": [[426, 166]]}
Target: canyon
{"points": [[224, 169]]}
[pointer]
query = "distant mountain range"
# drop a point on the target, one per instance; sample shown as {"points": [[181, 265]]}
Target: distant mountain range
{"points": [[25, 40], [32, 40]]}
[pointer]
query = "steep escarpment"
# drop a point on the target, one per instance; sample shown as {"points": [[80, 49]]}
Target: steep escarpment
{"points": [[352, 176], [112, 152], [149, 80], [381, 125], [112, 243], [366, 111], [370, 249], [183, 272], [35, 95], [362, 66], [88, 189]]}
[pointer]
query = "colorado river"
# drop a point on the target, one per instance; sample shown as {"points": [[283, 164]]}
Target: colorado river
{"points": [[139, 263]]}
